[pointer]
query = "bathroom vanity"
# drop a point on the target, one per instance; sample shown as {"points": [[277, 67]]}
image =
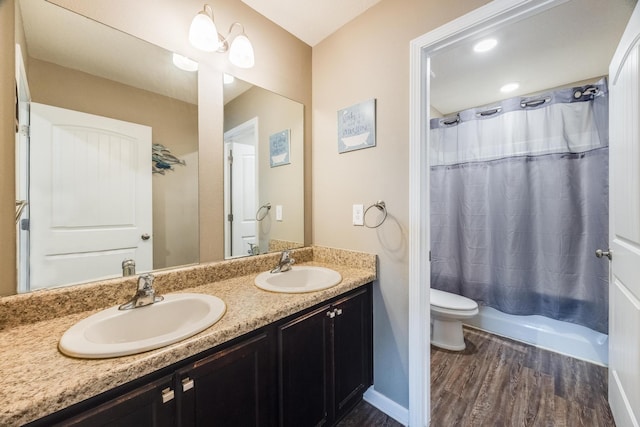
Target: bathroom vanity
{"points": [[273, 359]]}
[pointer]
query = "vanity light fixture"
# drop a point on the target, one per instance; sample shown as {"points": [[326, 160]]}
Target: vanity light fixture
{"points": [[203, 35], [485, 45], [184, 63], [509, 87]]}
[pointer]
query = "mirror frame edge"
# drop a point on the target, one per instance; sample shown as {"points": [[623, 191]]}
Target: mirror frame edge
{"points": [[8, 265]]}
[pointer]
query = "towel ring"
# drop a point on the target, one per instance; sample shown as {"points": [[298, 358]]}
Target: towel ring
{"points": [[381, 207], [266, 207]]}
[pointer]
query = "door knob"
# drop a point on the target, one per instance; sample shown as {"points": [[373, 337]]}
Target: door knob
{"points": [[145, 236], [600, 253]]}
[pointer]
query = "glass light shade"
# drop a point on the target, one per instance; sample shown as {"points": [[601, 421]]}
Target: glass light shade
{"points": [[241, 52], [203, 33], [184, 63]]}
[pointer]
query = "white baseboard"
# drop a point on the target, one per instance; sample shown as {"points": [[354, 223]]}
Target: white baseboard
{"points": [[386, 405]]}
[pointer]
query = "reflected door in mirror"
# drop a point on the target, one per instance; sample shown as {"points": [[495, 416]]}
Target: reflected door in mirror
{"points": [[90, 196]]}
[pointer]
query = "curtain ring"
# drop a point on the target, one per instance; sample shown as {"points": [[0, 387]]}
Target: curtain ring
{"points": [[381, 207], [266, 207]]}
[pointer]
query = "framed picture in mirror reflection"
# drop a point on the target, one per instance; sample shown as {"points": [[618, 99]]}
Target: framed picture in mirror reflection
{"points": [[279, 148]]}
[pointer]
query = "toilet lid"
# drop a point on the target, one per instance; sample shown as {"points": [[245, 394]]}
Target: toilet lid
{"points": [[444, 299]]}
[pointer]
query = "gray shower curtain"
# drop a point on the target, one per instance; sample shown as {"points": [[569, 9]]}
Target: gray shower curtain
{"points": [[519, 203]]}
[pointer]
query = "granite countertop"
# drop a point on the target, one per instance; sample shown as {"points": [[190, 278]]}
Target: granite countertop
{"points": [[39, 380]]}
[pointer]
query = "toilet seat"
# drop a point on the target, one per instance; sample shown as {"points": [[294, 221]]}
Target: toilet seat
{"points": [[450, 301]]}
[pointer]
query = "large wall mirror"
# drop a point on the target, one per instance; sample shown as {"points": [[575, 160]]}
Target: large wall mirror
{"points": [[80, 195]]}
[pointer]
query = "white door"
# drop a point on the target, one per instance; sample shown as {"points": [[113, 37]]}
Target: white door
{"points": [[240, 186], [624, 287], [90, 196]]}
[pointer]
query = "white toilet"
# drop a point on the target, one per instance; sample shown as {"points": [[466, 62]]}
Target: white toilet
{"points": [[447, 313]]}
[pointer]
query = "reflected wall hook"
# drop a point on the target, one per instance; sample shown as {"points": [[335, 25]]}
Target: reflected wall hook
{"points": [[381, 207]]}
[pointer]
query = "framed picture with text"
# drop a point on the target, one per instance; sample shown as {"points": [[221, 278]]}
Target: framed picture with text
{"points": [[279, 148], [357, 126]]}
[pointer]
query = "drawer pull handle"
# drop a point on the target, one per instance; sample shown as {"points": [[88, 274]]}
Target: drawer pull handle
{"points": [[167, 395], [331, 314], [187, 384], [338, 311]]}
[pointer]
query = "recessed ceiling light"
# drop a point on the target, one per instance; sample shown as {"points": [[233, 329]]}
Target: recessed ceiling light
{"points": [[485, 45], [184, 63], [509, 87]]}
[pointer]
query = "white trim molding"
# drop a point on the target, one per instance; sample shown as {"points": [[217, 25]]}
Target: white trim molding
{"points": [[492, 15], [386, 405]]}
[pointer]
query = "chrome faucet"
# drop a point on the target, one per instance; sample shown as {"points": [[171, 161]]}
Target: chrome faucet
{"points": [[128, 267], [253, 249], [285, 263], [145, 295]]}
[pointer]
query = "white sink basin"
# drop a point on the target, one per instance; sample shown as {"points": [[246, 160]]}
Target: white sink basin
{"points": [[113, 332], [301, 278]]}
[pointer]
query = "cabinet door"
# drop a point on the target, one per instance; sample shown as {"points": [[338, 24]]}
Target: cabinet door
{"points": [[233, 387], [303, 369], [152, 405], [352, 350]]}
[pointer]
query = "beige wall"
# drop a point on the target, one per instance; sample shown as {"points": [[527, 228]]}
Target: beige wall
{"points": [[174, 124], [7, 150], [280, 185], [369, 58]]}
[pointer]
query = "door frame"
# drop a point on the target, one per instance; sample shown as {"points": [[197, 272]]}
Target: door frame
{"points": [[22, 179], [491, 15]]}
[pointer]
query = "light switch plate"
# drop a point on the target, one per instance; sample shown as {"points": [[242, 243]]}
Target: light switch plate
{"points": [[278, 212], [358, 214]]}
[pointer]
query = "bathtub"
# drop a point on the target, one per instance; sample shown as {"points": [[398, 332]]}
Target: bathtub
{"points": [[562, 337]]}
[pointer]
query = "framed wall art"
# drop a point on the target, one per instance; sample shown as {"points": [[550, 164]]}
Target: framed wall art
{"points": [[357, 126], [279, 148]]}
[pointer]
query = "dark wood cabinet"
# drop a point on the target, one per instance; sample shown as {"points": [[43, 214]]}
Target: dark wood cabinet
{"points": [[229, 388], [151, 405], [303, 368], [324, 361], [353, 351], [308, 369]]}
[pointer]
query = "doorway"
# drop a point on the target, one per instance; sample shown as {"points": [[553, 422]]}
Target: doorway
{"points": [[423, 49], [240, 191]]}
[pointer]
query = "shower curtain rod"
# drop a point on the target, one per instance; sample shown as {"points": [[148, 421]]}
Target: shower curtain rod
{"points": [[568, 95]]}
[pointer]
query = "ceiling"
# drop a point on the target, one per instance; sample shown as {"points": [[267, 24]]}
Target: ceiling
{"points": [[570, 43], [56, 35], [310, 20]]}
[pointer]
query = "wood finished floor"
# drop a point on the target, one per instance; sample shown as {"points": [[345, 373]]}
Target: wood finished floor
{"points": [[500, 382], [365, 415]]}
